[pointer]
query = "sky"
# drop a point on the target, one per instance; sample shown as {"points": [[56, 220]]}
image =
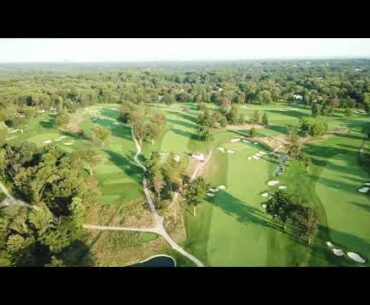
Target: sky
{"points": [[170, 49]]}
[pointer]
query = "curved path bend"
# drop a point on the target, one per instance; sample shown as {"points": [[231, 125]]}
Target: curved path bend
{"points": [[158, 227]]}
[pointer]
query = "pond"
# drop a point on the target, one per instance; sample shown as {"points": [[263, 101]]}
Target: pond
{"points": [[157, 261]]}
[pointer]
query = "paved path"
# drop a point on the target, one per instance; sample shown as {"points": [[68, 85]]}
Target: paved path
{"points": [[10, 200], [158, 227]]}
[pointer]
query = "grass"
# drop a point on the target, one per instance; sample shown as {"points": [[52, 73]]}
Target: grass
{"points": [[232, 228]]}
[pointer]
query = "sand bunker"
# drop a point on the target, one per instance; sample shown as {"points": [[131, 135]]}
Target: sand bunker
{"points": [[256, 157], [68, 143], [282, 187], [221, 187], [255, 143], [249, 158], [264, 205], [246, 141], [364, 189], [356, 257], [235, 140], [338, 252], [231, 151], [367, 184], [273, 182], [329, 244], [213, 190], [211, 194], [47, 142], [265, 195]]}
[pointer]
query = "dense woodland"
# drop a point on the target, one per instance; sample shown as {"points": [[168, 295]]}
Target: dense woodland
{"points": [[55, 182]]}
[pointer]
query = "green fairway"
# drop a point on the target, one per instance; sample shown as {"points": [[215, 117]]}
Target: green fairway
{"points": [[117, 174], [232, 228]]}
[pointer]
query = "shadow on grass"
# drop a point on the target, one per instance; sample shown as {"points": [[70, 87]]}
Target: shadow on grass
{"points": [[292, 113], [243, 213], [182, 123], [77, 255], [48, 124], [126, 164], [365, 207], [187, 134], [277, 128], [113, 114]]}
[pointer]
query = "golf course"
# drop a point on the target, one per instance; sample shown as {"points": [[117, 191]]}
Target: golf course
{"points": [[232, 228], [242, 164]]}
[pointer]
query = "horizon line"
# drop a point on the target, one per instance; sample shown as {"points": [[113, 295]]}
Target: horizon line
{"points": [[67, 61]]}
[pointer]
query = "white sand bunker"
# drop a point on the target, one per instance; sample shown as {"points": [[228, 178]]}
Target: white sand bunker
{"points": [[235, 140], [255, 143], [273, 182], [221, 149], [367, 184], [357, 258], [282, 187], [57, 140], [246, 141], [213, 190], [62, 137], [364, 189], [249, 158], [47, 142], [116, 123], [68, 143], [264, 205], [211, 194], [329, 244], [256, 157], [221, 187], [338, 252], [231, 151], [262, 153], [265, 195]]}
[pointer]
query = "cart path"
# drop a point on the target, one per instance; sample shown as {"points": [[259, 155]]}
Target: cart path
{"points": [[158, 227]]}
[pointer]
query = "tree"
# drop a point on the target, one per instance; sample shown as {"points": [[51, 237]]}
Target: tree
{"points": [[287, 209], [195, 192], [158, 183], [101, 133], [204, 124], [348, 111], [61, 120], [90, 157], [314, 126], [232, 115], [314, 110], [140, 130], [264, 97], [256, 117], [265, 120], [252, 132]]}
